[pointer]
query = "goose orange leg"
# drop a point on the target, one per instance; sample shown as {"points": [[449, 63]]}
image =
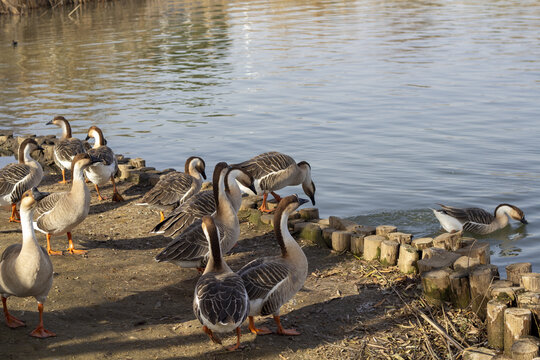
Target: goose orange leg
{"points": [[40, 331], [64, 181], [71, 249], [258, 331], [263, 207], [211, 335], [15, 217], [116, 195], [281, 330], [99, 197], [237, 346], [49, 250], [276, 196], [11, 320]]}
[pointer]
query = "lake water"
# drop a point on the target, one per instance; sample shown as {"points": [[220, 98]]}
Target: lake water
{"points": [[397, 105]]}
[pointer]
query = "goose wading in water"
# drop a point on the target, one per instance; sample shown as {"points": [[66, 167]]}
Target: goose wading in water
{"points": [[220, 301], [202, 204], [476, 220], [25, 269], [101, 172], [66, 147], [59, 213], [272, 171], [190, 248], [16, 178], [175, 188], [272, 281]]}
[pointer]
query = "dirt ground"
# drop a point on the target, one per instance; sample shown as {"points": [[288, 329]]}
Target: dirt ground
{"points": [[116, 302]]}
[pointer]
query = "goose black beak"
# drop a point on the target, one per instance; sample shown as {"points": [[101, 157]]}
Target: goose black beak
{"points": [[203, 175], [302, 201], [523, 221], [312, 198], [252, 188], [38, 195], [49, 123], [87, 138]]}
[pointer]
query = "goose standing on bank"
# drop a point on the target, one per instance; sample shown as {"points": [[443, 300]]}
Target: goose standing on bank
{"points": [[220, 301], [202, 204], [16, 178], [101, 172], [273, 171], [25, 269], [59, 213], [66, 147], [190, 248], [175, 188], [476, 220], [272, 281]]}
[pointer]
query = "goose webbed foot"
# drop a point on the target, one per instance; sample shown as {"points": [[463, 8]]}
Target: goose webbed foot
{"points": [[282, 331], [11, 321], [257, 331]]}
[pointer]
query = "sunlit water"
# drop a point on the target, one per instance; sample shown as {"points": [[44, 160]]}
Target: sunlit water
{"points": [[397, 105]]}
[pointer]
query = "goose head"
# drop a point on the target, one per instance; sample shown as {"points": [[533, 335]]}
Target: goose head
{"points": [[97, 134], [62, 123], [194, 165], [307, 185], [512, 211], [82, 161], [30, 198], [242, 176], [288, 204], [27, 147]]}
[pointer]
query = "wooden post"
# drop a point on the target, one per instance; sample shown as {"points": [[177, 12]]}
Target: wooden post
{"points": [[478, 250], [357, 244], [465, 263], [436, 284], [400, 237], [524, 349], [448, 241], [495, 323], [531, 300], [384, 230], [389, 252], [309, 213], [434, 258], [341, 240], [327, 236], [506, 294], [422, 243], [517, 322], [372, 246], [478, 353], [514, 271], [460, 293], [480, 280], [408, 258], [530, 281]]}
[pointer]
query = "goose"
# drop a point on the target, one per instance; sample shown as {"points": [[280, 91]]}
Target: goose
{"points": [[273, 171], [59, 213], [190, 248], [175, 188], [16, 178], [101, 172], [25, 269], [202, 204], [220, 301], [272, 281], [476, 220], [66, 147]]}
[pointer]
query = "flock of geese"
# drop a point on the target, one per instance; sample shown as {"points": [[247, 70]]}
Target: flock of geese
{"points": [[203, 227]]}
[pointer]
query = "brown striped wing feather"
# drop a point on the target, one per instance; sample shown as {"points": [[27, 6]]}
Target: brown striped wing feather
{"points": [[14, 179]]}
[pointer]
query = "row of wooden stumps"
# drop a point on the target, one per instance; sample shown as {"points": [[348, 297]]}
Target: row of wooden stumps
{"points": [[454, 269]]}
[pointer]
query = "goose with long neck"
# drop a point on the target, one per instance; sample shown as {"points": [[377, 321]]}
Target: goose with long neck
{"points": [[220, 301], [476, 220], [101, 172], [202, 204], [174, 188], [273, 171], [16, 178], [59, 213], [190, 248], [66, 147], [272, 281], [25, 269]]}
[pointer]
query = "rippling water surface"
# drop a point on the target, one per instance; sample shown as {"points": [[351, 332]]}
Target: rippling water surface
{"points": [[397, 105]]}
